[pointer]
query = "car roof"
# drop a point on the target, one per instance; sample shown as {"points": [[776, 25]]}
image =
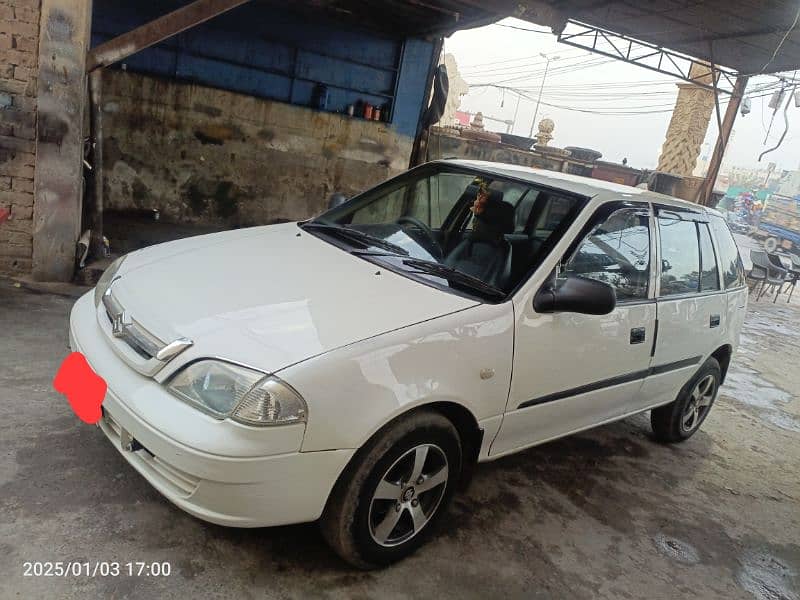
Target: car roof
{"points": [[584, 186]]}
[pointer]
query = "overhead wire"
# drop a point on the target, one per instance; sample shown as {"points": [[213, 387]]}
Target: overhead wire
{"points": [[783, 40], [547, 31]]}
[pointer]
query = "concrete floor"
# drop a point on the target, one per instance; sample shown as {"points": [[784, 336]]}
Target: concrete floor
{"points": [[604, 514]]}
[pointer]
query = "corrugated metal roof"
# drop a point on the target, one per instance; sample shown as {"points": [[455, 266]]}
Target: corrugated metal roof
{"points": [[739, 34], [742, 35]]}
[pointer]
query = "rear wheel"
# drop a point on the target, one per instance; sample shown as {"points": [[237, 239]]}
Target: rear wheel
{"points": [[680, 419], [389, 499]]}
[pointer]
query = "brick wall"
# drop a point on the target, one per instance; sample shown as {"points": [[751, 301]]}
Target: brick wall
{"points": [[19, 31]]}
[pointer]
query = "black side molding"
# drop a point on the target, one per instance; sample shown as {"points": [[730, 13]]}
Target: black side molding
{"points": [[612, 381], [674, 366]]}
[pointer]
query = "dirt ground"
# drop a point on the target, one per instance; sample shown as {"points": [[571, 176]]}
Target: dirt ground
{"points": [[604, 514]]}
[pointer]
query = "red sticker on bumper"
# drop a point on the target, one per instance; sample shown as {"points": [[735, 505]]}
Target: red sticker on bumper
{"points": [[83, 388]]}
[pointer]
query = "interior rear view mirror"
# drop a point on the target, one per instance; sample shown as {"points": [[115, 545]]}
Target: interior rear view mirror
{"points": [[575, 294]]}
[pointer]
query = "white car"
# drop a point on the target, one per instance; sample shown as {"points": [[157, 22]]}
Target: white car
{"points": [[353, 368]]}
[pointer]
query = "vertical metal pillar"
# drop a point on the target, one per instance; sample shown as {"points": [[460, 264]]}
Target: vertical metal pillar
{"points": [[705, 191]]}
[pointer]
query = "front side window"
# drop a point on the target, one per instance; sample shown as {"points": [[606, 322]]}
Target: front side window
{"points": [[732, 268], [617, 252], [680, 256], [471, 232]]}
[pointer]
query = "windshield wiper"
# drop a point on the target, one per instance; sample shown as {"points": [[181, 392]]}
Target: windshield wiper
{"points": [[357, 235], [439, 270]]}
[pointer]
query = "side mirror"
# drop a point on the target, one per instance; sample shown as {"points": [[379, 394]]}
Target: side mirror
{"points": [[576, 294], [336, 199]]}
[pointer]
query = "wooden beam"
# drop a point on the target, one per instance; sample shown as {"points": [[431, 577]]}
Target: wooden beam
{"points": [[149, 34], [706, 189]]}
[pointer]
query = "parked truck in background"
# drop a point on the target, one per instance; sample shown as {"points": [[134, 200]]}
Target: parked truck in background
{"points": [[779, 225]]}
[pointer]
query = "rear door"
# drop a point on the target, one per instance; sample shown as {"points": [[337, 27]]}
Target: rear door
{"points": [[733, 277], [692, 308]]}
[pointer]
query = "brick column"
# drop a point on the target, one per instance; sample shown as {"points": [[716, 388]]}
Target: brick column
{"points": [[19, 35]]}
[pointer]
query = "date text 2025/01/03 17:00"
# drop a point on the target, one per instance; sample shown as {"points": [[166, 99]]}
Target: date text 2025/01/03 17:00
{"points": [[96, 569]]}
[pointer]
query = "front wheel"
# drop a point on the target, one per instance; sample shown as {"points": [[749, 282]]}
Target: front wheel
{"points": [[679, 420], [390, 497]]}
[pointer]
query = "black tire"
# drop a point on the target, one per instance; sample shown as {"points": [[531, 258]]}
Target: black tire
{"points": [[670, 422], [349, 520]]}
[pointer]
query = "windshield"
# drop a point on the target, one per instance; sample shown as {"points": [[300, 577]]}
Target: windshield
{"points": [[469, 232]]}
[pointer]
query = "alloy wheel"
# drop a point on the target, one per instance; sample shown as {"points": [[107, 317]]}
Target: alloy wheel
{"points": [[699, 402], [408, 495]]}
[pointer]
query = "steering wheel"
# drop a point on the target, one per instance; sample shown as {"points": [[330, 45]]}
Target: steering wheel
{"points": [[433, 245]]}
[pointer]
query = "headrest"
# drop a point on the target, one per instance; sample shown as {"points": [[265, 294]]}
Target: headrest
{"points": [[497, 214]]}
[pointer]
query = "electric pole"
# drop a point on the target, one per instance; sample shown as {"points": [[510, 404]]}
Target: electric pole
{"points": [[541, 88]]}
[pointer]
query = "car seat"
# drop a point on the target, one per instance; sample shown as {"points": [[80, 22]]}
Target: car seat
{"points": [[485, 253]]}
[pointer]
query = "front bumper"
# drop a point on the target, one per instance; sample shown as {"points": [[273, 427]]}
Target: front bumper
{"points": [[221, 472]]}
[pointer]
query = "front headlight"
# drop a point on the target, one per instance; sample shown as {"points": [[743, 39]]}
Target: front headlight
{"points": [[106, 278], [225, 390]]}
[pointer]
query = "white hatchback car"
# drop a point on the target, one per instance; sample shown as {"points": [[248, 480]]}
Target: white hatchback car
{"points": [[354, 367]]}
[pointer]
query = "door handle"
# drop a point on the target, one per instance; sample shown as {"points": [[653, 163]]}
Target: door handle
{"points": [[637, 335], [714, 321]]}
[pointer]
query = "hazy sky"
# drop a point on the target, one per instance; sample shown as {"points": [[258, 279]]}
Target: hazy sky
{"points": [[581, 80]]}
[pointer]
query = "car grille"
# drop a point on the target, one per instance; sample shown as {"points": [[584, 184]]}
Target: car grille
{"points": [[149, 353]]}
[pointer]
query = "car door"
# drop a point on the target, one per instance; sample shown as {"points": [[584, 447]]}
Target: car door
{"points": [[733, 278], [573, 371], [692, 308]]}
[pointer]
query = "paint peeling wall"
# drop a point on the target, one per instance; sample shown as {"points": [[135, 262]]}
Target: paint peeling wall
{"points": [[210, 157], [19, 33], [58, 185]]}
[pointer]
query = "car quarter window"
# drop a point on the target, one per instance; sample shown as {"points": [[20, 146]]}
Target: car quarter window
{"points": [[709, 273], [732, 268], [680, 256], [617, 252]]}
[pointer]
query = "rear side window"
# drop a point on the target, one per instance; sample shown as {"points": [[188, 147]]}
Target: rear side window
{"points": [[732, 268], [709, 273], [680, 257]]}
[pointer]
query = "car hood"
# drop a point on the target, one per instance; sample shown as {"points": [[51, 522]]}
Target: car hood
{"points": [[269, 296]]}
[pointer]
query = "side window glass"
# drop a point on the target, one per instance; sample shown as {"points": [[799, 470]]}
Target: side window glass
{"points": [[387, 211], [680, 256], [617, 252], [428, 200], [732, 268], [522, 212], [709, 273]]}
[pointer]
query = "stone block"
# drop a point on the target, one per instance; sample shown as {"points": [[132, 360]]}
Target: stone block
{"points": [[20, 185], [9, 198]]}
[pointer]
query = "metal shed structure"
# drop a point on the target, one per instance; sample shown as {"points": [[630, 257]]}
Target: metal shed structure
{"points": [[738, 38]]}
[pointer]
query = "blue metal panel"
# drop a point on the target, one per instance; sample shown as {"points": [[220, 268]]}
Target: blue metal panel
{"points": [[280, 55], [411, 85], [216, 73], [333, 71]]}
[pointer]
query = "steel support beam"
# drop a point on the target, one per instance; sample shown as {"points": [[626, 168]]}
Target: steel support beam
{"points": [[149, 34], [641, 54], [705, 191]]}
